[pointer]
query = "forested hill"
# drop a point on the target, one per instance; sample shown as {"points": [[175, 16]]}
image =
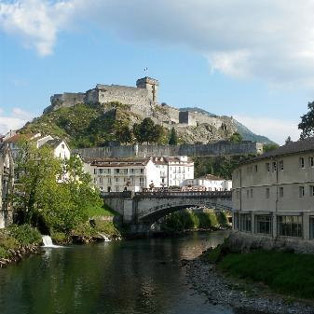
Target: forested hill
{"points": [[87, 125]]}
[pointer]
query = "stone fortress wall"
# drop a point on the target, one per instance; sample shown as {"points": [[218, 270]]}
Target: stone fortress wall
{"points": [[192, 150], [142, 99]]}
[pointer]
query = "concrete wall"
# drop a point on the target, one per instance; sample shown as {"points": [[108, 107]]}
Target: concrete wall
{"points": [[214, 149]]}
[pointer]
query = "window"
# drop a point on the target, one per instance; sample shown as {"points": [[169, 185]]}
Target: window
{"points": [[142, 182], [311, 190], [255, 168], [100, 180], [301, 191], [236, 222], [245, 223], [116, 171], [281, 165], [302, 163], [251, 193], [274, 166], [248, 193], [109, 180], [95, 171], [267, 166], [116, 180], [267, 192], [289, 226], [62, 146], [311, 161], [100, 171], [281, 191], [142, 170], [263, 224]]}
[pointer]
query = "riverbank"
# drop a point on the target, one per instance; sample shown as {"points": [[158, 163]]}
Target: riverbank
{"points": [[210, 274], [17, 242]]}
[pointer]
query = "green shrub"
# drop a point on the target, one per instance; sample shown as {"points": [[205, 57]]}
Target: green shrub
{"points": [[60, 238], [4, 253], [25, 234]]}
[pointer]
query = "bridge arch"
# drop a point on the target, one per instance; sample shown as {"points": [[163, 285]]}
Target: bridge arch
{"points": [[157, 212]]}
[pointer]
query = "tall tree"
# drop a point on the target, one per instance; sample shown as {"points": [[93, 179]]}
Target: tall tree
{"points": [[124, 134], [173, 138], [148, 131], [51, 193], [307, 122]]}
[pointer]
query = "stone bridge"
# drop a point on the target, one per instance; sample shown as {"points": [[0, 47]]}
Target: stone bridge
{"points": [[141, 210]]}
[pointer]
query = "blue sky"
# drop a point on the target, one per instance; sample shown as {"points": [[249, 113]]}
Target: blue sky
{"points": [[251, 61]]}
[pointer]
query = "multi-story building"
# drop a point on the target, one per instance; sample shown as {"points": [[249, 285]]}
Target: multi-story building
{"points": [[118, 175], [174, 170], [273, 194], [209, 182]]}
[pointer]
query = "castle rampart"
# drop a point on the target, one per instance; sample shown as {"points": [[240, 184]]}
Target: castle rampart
{"points": [[141, 98], [142, 151]]}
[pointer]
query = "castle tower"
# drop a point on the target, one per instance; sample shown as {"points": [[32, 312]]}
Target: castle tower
{"points": [[151, 85]]}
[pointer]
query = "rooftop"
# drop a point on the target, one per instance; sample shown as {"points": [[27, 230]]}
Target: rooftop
{"points": [[301, 146]]}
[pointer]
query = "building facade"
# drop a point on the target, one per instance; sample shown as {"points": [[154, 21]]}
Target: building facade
{"points": [[209, 182], [174, 170], [137, 174], [6, 185], [273, 194], [118, 175]]}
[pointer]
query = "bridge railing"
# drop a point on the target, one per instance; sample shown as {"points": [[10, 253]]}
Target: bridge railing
{"points": [[163, 194], [207, 194]]}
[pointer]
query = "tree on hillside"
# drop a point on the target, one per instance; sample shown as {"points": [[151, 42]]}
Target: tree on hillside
{"points": [[173, 138], [148, 131], [269, 147], [236, 138], [124, 134], [307, 122], [51, 194]]}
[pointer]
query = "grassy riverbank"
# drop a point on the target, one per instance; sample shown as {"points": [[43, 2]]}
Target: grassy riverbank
{"points": [[283, 272], [194, 220], [16, 241]]}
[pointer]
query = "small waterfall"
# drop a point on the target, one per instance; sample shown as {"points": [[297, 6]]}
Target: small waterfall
{"points": [[48, 242], [106, 239]]}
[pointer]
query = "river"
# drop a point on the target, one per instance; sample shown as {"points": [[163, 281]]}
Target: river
{"points": [[126, 277]]}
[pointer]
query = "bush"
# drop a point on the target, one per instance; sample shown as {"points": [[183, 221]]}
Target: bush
{"points": [[25, 234]]}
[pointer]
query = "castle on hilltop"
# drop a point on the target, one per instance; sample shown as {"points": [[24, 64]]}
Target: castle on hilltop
{"points": [[141, 97]]}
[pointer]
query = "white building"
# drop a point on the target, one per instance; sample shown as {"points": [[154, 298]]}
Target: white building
{"points": [[118, 175], [60, 147], [174, 170], [209, 182]]}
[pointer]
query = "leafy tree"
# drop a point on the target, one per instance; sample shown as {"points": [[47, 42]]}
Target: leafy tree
{"points": [[173, 139], [124, 134], [236, 138], [270, 147], [148, 131], [307, 122], [51, 194]]}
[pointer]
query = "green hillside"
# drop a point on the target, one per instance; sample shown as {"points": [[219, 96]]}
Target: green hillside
{"points": [[83, 125]]}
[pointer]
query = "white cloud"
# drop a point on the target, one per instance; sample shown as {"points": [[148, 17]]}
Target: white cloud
{"points": [[267, 39], [15, 120], [275, 129]]}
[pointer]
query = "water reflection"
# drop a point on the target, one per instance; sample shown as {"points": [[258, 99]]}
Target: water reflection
{"points": [[131, 277]]}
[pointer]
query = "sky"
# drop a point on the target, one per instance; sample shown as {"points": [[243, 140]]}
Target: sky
{"points": [[253, 60]]}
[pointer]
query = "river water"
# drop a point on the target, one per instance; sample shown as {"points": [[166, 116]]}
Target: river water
{"points": [[126, 277]]}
